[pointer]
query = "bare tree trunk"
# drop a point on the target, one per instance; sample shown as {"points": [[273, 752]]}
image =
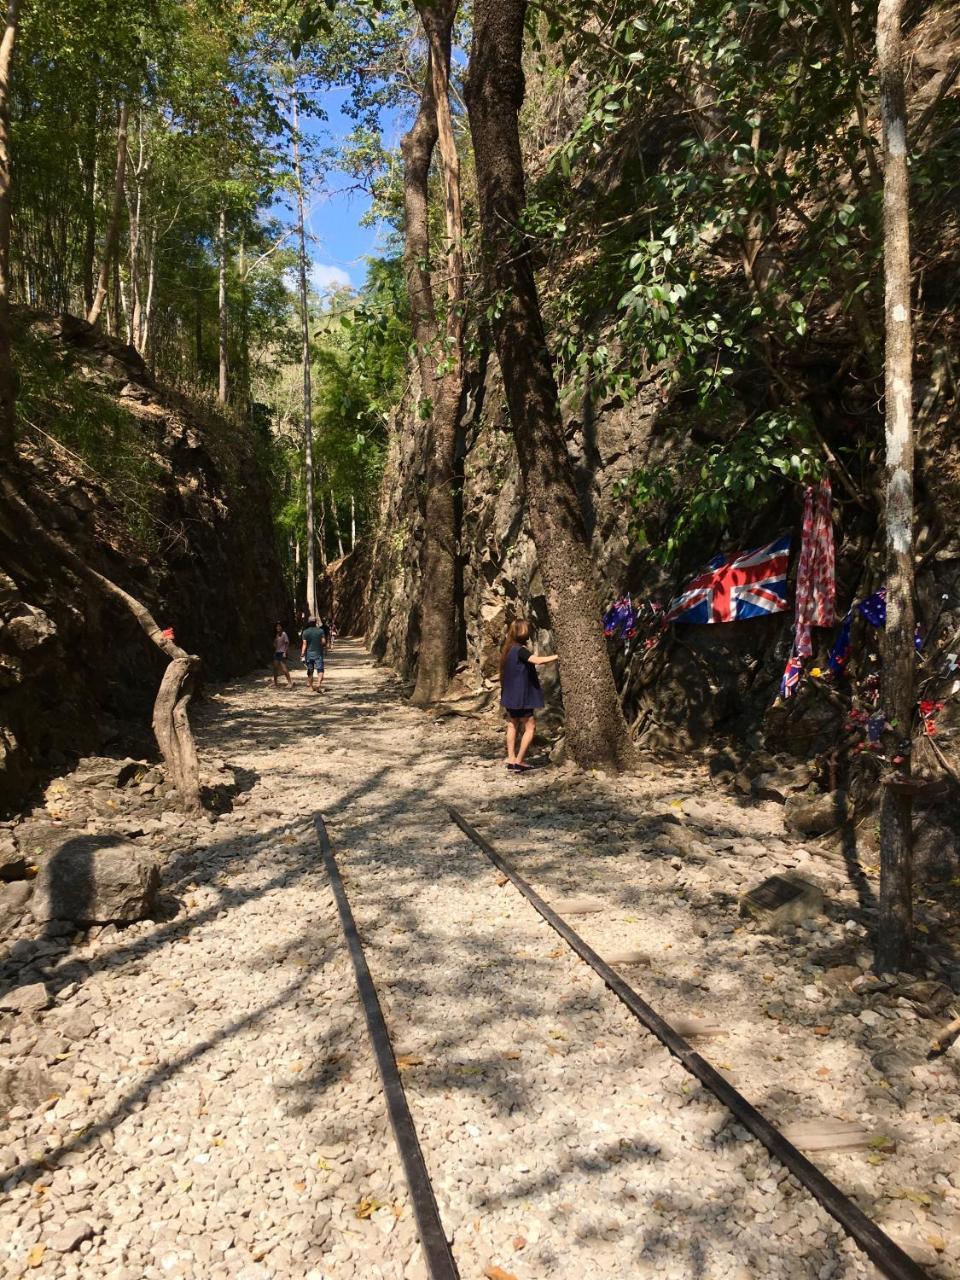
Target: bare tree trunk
{"points": [[307, 385], [322, 531], [148, 306], [88, 260], [123, 309], [440, 357], [198, 333], [222, 304], [115, 309], [171, 724], [113, 225], [135, 214], [135, 303], [336, 526], [8, 386], [597, 734], [353, 522], [895, 932], [244, 327]]}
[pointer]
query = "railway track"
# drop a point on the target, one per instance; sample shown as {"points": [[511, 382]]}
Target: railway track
{"points": [[886, 1255]]}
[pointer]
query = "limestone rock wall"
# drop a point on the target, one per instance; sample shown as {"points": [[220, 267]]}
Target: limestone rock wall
{"points": [[697, 682], [76, 672]]}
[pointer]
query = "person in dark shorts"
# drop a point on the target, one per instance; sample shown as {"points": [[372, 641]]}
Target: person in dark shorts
{"points": [[311, 650], [281, 643], [520, 692]]}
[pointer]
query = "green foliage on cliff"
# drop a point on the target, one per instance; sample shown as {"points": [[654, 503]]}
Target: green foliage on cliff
{"points": [[708, 212], [69, 416]]}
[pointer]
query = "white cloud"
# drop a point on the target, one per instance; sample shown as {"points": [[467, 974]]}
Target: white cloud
{"points": [[324, 277]]}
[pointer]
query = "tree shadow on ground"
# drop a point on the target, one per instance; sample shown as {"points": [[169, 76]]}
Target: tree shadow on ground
{"points": [[474, 986]]}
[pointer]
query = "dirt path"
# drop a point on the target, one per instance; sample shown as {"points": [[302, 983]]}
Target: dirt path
{"points": [[221, 1116]]}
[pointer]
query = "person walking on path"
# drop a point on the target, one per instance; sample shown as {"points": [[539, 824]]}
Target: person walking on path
{"points": [[520, 692], [311, 650], [281, 644]]}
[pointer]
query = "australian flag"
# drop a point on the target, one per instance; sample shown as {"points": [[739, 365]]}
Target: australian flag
{"points": [[752, 585]]}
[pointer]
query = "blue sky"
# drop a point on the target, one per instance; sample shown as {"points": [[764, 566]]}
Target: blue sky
{"points": [[338, 243]]}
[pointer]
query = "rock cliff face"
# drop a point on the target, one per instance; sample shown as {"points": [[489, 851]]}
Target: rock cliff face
{"points": [[697, 685], [76, 673], [696, 681], [685, 687]]}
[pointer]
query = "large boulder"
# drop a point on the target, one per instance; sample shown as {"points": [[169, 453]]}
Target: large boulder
{"points": [[25, 1085], [782, 900], [814, 813], [94, 879]]}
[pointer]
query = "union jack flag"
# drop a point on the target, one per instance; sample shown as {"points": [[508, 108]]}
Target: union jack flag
{"points": [[752, 585]]}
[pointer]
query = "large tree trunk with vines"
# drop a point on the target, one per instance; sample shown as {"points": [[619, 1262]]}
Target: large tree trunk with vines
{"points": [[597, 734], [8, 392], [112, 238], [307, 381], [440, 354], [171, 724], [896, 816]]}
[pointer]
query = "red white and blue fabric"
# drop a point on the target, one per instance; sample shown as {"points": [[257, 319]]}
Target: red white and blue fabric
{"points": [[791, 677], [751, 585], [874, 610], [816, 573], [620, 620]]}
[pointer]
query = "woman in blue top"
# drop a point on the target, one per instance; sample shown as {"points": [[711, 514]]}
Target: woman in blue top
{"points": [[520, 692]]}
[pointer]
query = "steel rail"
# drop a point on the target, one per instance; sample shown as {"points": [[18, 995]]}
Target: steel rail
{"points": [[885, 1253], [436, 1250]]}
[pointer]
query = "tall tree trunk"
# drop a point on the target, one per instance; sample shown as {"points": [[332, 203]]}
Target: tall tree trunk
{"points": [[334, 520], [135, 215], [89, 255], [122, 307], [896, 818], [136, 305], [113, 225], [307, 385], [222, 304], [8, 386], [198, 332], [441, 357], [116, 309], [144, 347], [353, 522], [244, 334], [322, 531], [597, 734]]}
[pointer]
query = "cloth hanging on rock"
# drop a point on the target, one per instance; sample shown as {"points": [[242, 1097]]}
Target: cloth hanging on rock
{"points": [[751, 585], [791, 677], [620, 620], [874, 610], [816, 571]]}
